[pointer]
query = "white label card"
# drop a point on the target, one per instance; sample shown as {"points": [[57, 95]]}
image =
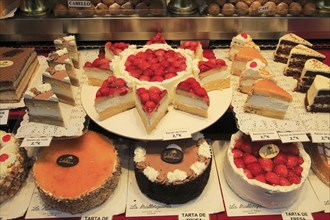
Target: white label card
{"points": [[264, 135], [194, 216], [294, 215], [4, 115], [36, 142], [176, 134], [320, 137], [291, 137]]}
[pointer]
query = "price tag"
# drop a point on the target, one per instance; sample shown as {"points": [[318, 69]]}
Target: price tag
{"points": [[4, 115], [320, 137], [194, 216], [176, 134], [294, 215], [291, 137], [264, 136], [36, 142]]}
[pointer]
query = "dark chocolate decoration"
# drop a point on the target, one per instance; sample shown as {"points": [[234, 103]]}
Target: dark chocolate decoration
{"points": [[67, 160], [13, 52], [172, 155]]}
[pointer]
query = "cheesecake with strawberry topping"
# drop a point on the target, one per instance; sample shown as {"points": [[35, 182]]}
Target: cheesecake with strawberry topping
{"points": [[14, 166], [240, 41], [152, 104], [114, 96], [212, 74], [157, 38], [268, 173], [156, 64], [190, 96], [114, 49], [194, 46], [98, 70]]}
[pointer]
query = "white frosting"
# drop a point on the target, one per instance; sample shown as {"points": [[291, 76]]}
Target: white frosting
{"points": [[303, 50], [176, 175], [58, 67], [266, 102], [320, 83], [5, 135], [114, 101], [139, 154], [10, 148], [151, 173], [62, 52], [198, 167], [258, 192], [205, 150], [314, 65], [42, 88], [71, 39], [294, 38], [240, 40]]}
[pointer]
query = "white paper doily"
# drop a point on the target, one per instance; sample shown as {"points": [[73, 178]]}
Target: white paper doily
{"points": [[76, 122]]}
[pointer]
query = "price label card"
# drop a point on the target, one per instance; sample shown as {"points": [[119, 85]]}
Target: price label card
{"points": [[176, 134], [4, 115], [295, 215], [36, 142], [264, 136], [194, 216], [291, 137], [320, 137]]}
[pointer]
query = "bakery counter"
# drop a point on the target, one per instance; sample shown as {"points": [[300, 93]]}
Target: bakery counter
{"points": [[22, 28]]}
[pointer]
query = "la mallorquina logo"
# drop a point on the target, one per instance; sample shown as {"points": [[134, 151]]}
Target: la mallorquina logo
{"points": [[67, 160]]}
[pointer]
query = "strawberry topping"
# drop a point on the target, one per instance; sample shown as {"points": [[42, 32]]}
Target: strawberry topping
{"points": [[4, 157], [284, 169], [117, 47], [112, 86], [204, 66], [101, 63], [190, 85], [150, 98], [156, 39], [190, 45]]}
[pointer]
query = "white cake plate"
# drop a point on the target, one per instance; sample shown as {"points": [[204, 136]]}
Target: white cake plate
{"points": [[129, 123]]}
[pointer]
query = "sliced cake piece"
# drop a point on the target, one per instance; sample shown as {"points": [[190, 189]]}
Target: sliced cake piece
{"points": [[62, 57], [115, 96], [254, 70], [97, 71], [157, 38], [298, 56], [114, 49], [240, 41], [151, 104], [318, 95], [58, 78], [194, 46], [212, 74], [43, 105], [285, 44], [267, 99], [243, 56], [69, 42], [191, 97], [311, 68]]}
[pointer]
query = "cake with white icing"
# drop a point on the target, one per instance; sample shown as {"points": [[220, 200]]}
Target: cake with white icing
{"points": [[254, 70], [59, 79], [14, 166], [285, 45], [69, 42], [311, 68], [98, 70], [318, 95], [173, 172], [270, 174], [43, 105], [240, 41], [62, 57], [297, 58]]}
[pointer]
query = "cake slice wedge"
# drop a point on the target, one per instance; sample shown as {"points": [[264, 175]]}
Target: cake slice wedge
{"points": [[114, 49], [190, 96], [318, 95], [240, 41], [212, 74], [43, 105], [254, 70], [58, 78], [114, 96], [243, 56], [194, 46], [152, 105], [267, 99], [69, 42], [97, 71]]}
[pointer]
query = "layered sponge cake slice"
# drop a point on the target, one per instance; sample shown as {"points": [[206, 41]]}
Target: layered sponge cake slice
{"points": [[152, 104]]}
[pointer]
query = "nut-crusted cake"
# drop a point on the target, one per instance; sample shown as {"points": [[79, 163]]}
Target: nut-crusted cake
{"points": [[14, 166], [78, 174], [17, 66]]}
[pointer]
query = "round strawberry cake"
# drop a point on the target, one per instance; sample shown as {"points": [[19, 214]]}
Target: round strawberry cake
{"points": [[268, 173], [154, 64]]}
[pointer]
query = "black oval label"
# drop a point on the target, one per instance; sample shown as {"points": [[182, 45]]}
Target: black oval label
{"points": [[67, 160], [172, 155]]}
